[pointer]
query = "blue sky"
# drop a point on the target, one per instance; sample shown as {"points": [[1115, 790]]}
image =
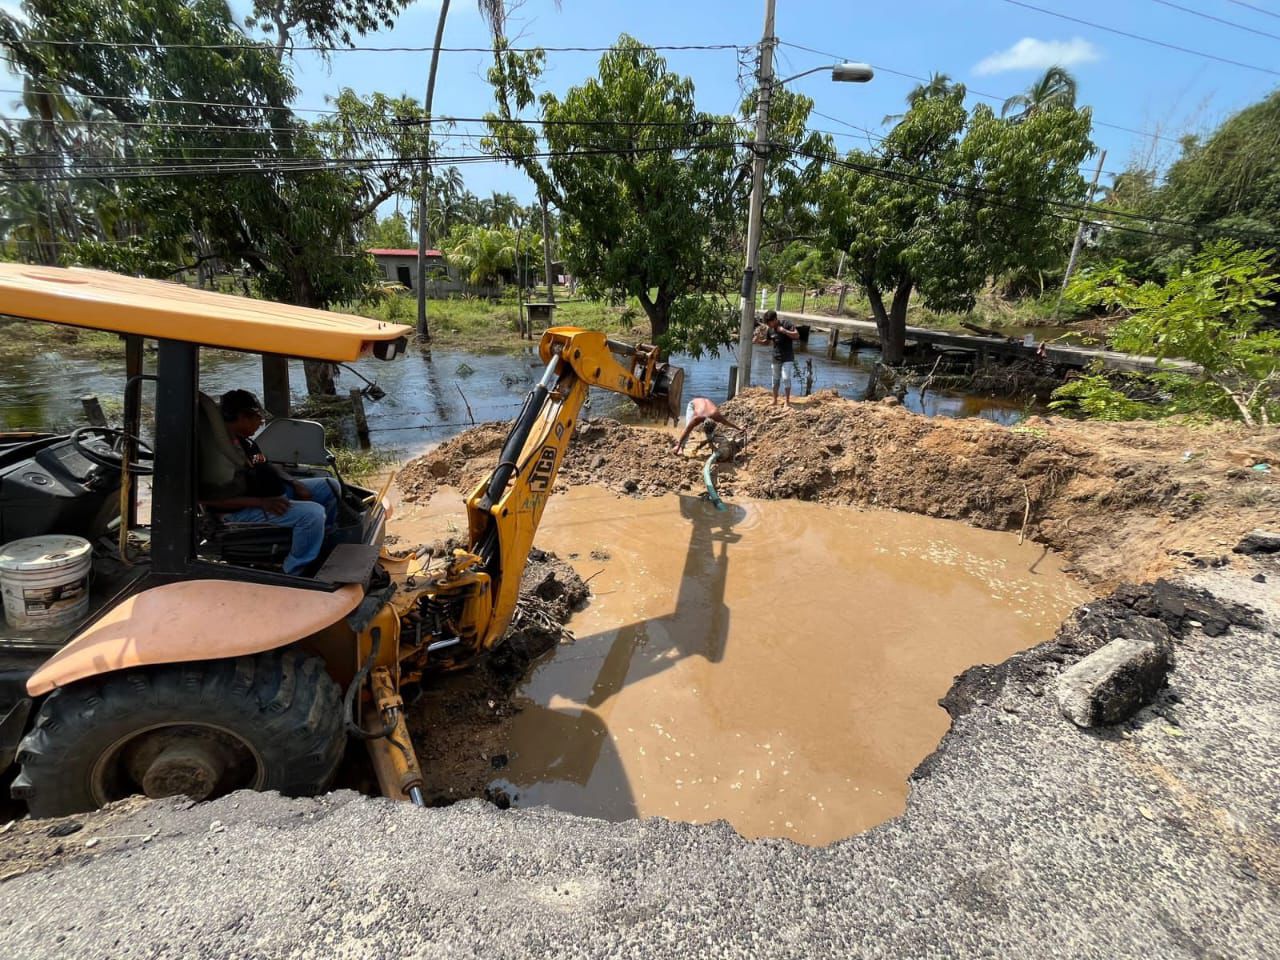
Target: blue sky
{"points": [[993, 46]]}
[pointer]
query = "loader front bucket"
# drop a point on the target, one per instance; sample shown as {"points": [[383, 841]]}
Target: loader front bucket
{"points": [[663, 402]]}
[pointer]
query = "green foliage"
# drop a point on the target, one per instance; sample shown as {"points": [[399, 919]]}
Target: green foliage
{"points": [[187, 88], [391, 232], [481, 254], [655, 219], [1207, 313], [1228, 182], [139, 257], [950, 199], [1095, 397]]}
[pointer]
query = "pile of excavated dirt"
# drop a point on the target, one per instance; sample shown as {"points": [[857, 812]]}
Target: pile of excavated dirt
{"points": [[461, 724], [1124, 501], [626, 459]]}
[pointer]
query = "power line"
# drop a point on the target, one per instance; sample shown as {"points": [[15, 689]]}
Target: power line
{"points": [[249, 44], [1144, 39], [1209, 16], [1256, 9], [977, 93], [1081, 211], [143, 170]]}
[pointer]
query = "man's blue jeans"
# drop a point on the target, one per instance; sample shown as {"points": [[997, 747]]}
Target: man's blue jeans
{"points": [[307, 518]]}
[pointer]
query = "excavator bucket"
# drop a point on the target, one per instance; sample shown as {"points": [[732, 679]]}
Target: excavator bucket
{"points": [[663, 402]]}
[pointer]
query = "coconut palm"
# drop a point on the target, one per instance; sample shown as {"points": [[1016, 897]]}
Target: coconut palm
{"points": [[1056, 88], [480, 254], [938, 85]]}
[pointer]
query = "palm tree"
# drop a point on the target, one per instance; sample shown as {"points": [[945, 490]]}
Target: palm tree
{"points": [[938, 85], [494, 13], [481, 254], [1056, 88]]}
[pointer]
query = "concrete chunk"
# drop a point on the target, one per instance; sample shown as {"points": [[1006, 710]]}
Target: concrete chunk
{"points": [[1112, 683], [1259, 542]]}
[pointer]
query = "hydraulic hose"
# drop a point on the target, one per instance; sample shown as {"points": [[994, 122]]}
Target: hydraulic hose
{"points": [[349, 701]]}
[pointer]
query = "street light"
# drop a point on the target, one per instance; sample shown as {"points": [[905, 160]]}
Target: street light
{"points": [[847, 72], [840, 73]]}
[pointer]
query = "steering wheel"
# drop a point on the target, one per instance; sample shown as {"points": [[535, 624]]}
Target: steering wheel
{"points": [[105, 447]]}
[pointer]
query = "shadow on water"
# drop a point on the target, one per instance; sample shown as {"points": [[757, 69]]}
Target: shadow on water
{"points": [[559, 749]]}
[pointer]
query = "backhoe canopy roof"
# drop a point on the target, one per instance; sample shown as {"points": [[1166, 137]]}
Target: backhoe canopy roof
{"points": [[157, 309]]}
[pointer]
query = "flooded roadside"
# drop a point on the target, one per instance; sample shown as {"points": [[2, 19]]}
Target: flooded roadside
{"points": [[430, 400], [777, 665]]}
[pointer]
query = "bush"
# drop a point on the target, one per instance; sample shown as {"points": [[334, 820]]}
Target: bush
{"points": [[1208, 313]]}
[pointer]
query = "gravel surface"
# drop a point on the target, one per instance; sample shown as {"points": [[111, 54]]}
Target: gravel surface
{"points": [[1023, 837]]}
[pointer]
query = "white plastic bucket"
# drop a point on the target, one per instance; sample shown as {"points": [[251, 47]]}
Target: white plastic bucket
{"points": [[45, 581]]}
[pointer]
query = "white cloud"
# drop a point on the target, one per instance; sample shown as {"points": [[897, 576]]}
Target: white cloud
{"points": [[1032, 54], [13, 8]]}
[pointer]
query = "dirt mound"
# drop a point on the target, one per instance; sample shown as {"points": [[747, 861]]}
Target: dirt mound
{"points": [[1123, 501], [460, 725], [625, 459]]}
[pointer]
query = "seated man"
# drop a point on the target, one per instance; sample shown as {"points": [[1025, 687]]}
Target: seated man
{"points": [[265, 493]]}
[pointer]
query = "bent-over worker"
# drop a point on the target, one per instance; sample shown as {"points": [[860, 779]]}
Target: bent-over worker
{"points": [[700, 410], [265, 493]]}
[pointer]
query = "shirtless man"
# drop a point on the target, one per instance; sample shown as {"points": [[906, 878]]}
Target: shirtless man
{"points": [[700, 410]]}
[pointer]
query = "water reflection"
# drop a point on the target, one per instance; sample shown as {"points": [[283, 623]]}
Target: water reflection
{"points": [[427, 399]]}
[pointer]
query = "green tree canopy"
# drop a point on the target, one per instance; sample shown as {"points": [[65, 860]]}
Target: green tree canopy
{"points": [[646, 183], [950, 199], [1209, 312], [209, 161], [392, 232], [1227, 186]]}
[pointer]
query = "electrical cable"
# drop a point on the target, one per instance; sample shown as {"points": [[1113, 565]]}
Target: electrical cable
{"points": [[248, 44], [978, 93], [1210, 16], [1255, 8], [1144, 39]]}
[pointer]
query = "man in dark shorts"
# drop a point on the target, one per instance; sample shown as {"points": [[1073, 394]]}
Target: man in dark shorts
{"points": [[783, 335]]}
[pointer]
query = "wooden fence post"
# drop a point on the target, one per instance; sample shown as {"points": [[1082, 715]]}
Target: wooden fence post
{"points": [[93, 411], [362, 422]]}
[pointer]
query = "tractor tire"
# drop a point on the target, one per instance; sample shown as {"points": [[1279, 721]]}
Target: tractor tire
{"points": [[267, 722]]}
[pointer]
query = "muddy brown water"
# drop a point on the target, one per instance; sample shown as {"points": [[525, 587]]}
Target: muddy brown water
{"points": [[776, 665]]}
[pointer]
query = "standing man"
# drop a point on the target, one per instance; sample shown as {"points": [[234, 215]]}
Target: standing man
{"points": [[783, 335]]}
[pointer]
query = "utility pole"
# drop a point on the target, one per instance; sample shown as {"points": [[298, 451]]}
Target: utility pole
{"points": [[1075, 247], [764, 92], [424, 334], [546, 250]]}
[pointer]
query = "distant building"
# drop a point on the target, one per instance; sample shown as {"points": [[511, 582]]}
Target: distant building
{"points": [[401, 265]]}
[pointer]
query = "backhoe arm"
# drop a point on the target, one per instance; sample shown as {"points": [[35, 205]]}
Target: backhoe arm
{"points": [[503, 511]]}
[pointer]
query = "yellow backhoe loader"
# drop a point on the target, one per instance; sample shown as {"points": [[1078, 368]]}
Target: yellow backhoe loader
{"points": [[199, 666]]}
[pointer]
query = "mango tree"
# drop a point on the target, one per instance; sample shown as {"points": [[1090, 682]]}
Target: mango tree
{"points": [[949, 199]]}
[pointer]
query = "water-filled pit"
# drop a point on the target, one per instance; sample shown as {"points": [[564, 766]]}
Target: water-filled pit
{"points": [[776, 665]]}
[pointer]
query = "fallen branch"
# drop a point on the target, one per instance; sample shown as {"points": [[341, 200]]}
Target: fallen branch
{"points": [[470, 415]]}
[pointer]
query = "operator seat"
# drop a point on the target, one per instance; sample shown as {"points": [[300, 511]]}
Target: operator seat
{"points": [[219, 457]]}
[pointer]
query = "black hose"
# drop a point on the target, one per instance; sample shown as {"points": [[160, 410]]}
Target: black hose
{"points": [[514, 443], [349, 701]]}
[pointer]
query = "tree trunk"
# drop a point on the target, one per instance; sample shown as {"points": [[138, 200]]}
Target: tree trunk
{"points": [[891, 322], [659, 313], [319, 373]]}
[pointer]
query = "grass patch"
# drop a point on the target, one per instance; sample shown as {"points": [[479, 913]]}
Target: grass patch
{"points": [[357, 465], [22, 338], [492, 326]]}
